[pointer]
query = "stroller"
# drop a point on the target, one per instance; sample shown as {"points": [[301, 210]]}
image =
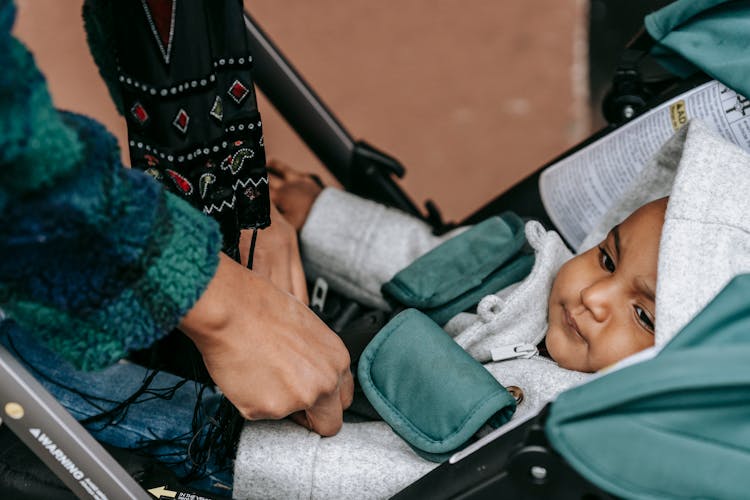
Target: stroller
{"points": [[553, 455]]}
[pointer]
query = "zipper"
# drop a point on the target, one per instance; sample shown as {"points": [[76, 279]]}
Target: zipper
{"points": [[515, 351]]}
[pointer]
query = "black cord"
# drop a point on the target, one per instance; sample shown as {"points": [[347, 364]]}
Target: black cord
{"points": [[252, 249]]}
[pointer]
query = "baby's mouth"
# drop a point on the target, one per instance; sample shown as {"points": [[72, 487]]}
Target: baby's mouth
{"points": [[571, 322]]}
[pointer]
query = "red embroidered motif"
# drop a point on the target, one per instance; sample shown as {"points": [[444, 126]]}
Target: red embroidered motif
{"points": [[139, 113], [181, 121], [151, 160], [181, 182], [238, 91]]}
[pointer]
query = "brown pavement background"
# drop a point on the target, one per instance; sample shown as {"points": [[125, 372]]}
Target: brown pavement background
{"points": [[470, 95]]}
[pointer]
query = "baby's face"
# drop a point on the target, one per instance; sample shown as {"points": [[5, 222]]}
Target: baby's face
{"points": [[601, 308]]}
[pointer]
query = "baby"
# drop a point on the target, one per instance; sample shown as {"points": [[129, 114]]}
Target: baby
{"points": [[601, 305]]}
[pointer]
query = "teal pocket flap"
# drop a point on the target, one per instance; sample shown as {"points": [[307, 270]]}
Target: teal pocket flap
{"points": [[459, 265], [429, 390]]}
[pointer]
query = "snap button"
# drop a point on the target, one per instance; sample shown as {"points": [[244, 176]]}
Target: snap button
{"points": [[516, 392]]}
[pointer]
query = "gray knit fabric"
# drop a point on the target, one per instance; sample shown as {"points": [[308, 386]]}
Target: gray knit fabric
{"points": [[706, 237], [705, 242], [357, 245]]}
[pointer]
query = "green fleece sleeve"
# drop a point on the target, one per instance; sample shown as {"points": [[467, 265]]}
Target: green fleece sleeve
{"points": [[95, 259]]}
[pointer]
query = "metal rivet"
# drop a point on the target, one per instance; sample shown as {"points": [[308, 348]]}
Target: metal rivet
{"points": [[516, 392], [538, 472], [14, 410]]}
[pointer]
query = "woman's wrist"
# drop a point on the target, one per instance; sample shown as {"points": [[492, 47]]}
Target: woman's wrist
{"points": [[212, 315]]}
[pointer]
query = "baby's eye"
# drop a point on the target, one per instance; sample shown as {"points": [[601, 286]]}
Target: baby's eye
{"points": [[644, 318], [606, 261]]}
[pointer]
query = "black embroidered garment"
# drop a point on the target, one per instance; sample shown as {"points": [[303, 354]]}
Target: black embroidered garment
{"points": [[184, 72], [180, 73]]}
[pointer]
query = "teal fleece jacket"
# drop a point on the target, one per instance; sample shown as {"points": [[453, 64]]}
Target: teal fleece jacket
{"points": [[95, 259]]}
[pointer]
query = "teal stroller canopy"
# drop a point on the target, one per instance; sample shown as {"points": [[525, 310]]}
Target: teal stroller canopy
{"points": [[706, 35]]}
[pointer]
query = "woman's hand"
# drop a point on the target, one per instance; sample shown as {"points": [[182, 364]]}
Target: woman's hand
{"points": [[292, 192], [277, 256], [269, 354]]}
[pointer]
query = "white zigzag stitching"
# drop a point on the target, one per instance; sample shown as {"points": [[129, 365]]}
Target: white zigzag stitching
{"points": [[239, 182], [225, 204]]}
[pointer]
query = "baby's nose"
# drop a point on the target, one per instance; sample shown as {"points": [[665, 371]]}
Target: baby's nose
{"points": [[597, 298]]}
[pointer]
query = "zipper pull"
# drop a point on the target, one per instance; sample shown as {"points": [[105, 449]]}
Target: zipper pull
{"points": [[523, 351]]}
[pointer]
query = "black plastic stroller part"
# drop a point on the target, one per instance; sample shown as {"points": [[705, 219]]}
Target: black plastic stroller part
{"points": [[611, 25], [636, 82], [628, 95], [519, 465]]}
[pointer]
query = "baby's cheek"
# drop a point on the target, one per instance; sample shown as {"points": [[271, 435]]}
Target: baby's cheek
{"points": [[567, 353], [556, 345]]}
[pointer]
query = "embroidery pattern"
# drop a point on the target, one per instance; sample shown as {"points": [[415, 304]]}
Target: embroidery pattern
{"points": [[205, 181], [238, 91], [217, 110], [181, 182], [181, 121], [139, 113], [160, 38], [235, 161]]}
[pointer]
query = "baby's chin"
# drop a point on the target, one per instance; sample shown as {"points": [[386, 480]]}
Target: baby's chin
{"points": [[565, 355]]}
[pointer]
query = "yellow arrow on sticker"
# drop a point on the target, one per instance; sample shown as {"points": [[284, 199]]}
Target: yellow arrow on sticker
{"points": [[162, 491]]}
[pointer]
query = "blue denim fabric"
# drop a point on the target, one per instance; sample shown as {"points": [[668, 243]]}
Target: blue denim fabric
{"points": [[163, 425]]}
